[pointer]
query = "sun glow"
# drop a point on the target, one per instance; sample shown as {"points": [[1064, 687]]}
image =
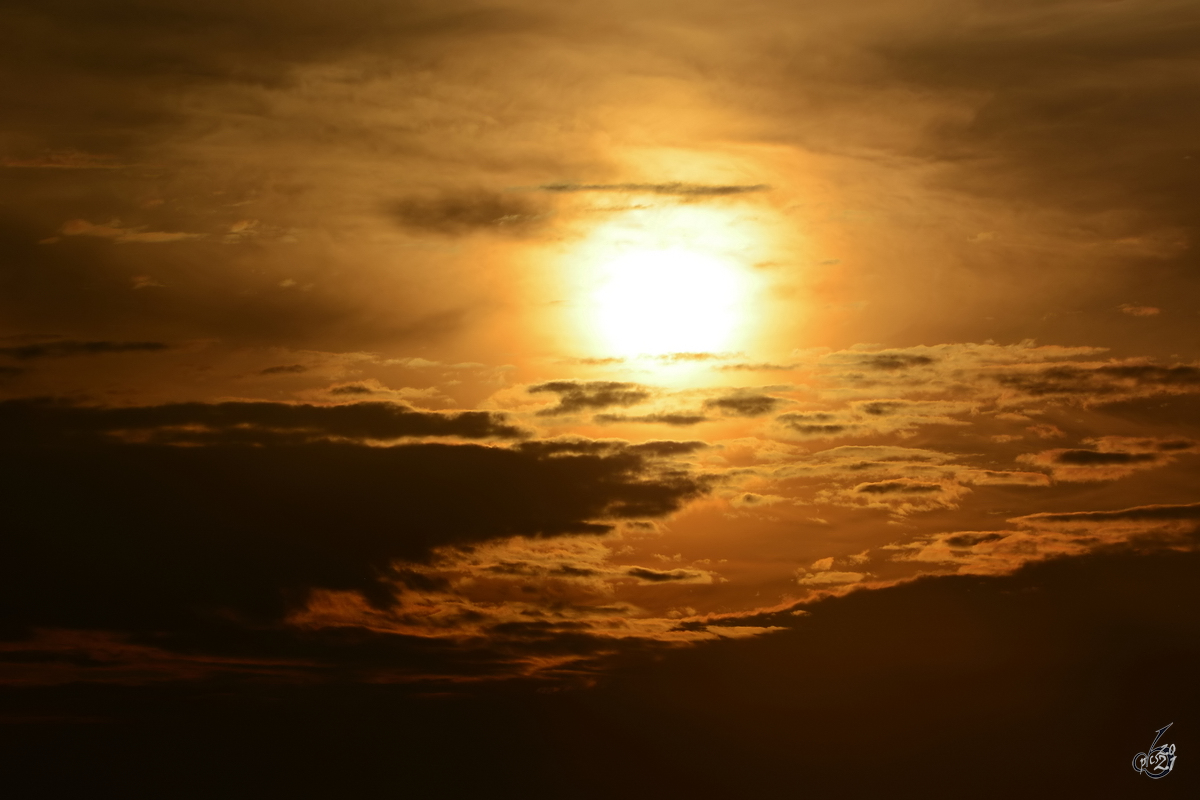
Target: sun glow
{"points": [[674, 280]]}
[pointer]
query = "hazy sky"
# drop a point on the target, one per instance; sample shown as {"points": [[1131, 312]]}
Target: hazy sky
{"points": [[762, 370]]}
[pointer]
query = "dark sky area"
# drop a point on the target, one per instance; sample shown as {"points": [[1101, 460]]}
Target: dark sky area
{"points": [[577, 400]]}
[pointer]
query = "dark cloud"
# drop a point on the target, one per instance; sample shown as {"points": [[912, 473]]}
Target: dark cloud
{"points": [[894, 361], [744, 405], [1120, 76], [1114, 457], [465, 212], [897, 487], [137, 536], [581, 395], [654, 447], [816, 424], [662, 576], [678, 420], [104, 78], [570, 444], [1108, 382], [665, 447], [1066, 650], [352, 388], [683, 189], [1091, 457], [243, 421], [882, 408], [290, 369], [972, 539], [575, 572], [1152, 513], [1046, 641], [1151, 374], [419, 581], [85, 286], [63, 349]]}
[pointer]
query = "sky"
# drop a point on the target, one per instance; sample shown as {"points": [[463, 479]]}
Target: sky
{"points": [[662, 398]]}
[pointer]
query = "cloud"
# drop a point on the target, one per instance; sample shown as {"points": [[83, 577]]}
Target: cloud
{"points": [[558, 592], [1008, 375], [56, 657], [1113, 457], [760, 367], [744, 405], [1050, 625], [351, 389], [67, 348], [424, 363], [894, 361], [113, 231], [830, 578], [596, 362], [899, 497], [897, 487], [146, 282], [1139, 311], [463, 212], [679, 420], [667, 447], [900, 480], [1048, 535], [674, 575], [934, 367], [130, 536], [816, 424], [1102, 383], [858, 460], [1150, 515], [289, 369], [63, 159], [247, 422], [1046, 431], [1076, 63], [863, 418], [755, 500], [583, 395], [674, 358], [680, 189]]}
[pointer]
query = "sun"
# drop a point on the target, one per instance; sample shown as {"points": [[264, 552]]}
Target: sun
{"points": [[660, 281], [668, 300]]}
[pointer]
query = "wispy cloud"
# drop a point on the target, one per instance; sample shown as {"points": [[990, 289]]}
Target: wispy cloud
{"points": [[67, 348], [672, 188], [122, 235]]}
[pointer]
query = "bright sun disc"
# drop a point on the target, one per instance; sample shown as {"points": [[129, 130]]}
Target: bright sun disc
{"points": [[668, 301]]}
